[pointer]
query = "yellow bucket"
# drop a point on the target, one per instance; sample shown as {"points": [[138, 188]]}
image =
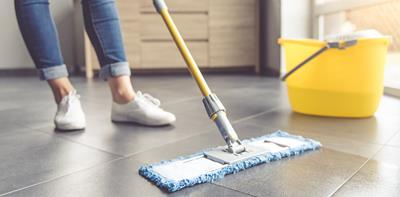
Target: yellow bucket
{"points": [[338, 82]]}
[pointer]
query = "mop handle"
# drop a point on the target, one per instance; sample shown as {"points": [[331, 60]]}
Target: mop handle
{"points": [[180, 43]]}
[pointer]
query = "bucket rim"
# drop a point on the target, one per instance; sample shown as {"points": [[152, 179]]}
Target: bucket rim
{"points": [[313, 42]]}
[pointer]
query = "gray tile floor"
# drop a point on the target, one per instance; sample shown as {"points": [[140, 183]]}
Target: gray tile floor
{"points": [[360, 156]]}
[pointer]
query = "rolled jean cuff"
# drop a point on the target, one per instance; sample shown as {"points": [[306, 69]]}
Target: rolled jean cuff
{"points": [[115, 70], [53, 72]]}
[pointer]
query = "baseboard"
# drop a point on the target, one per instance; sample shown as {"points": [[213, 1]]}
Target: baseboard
{"points": [[19, 72], [392, 91], [242, 70]]}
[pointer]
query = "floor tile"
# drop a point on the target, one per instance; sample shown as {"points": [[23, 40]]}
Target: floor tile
{"points": [[7, 123], [395, 141], [31, 157], [118, 178], [126, 139], [377, 129], [233, 82], [246, 129], [389, 106], [296, 176], [26, 98], [78, 163], [328, 133], [317, 173], [4, 104], [32, 117], [244, 102], [327, 166], [379, 177]]}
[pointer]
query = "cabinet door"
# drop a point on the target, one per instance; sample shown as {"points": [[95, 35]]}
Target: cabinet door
{"points": [[130, 24], [166, 54], [177, 5], [232, 33], [220, 33], [158, 51], [191, 26]]}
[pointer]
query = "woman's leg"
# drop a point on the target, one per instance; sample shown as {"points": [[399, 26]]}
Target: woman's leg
{"points": [[40, 35], [41, 38], [102, 25]]}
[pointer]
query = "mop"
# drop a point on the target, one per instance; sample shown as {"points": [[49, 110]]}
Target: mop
{"points": [[237, 155]]}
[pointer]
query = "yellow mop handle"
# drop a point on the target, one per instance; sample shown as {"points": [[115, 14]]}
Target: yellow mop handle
{"points": [[213, 105], [180, 43]]}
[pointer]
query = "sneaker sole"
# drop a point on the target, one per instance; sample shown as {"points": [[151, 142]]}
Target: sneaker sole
{"points": [[139, 123], [69, 127]]}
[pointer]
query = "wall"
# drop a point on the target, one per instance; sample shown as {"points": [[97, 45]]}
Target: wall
{"points": [[296, 21], [13, 53], [270, 32], [296, 18]]}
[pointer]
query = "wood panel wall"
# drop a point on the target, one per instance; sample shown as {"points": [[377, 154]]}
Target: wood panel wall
{"points": [[220, 33]]}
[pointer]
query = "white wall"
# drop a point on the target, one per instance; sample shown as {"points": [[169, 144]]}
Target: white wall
{"points": [[13, 53], [296, 21], [296, 18]]}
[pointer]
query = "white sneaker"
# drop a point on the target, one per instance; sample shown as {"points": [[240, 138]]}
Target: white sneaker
{"points": [[69, 114], [144, 109]]}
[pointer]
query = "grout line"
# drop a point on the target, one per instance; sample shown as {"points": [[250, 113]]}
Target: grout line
{"points": [[190, 98], [354, 173], [62, 176], [85, 169], [392, 146], [225, 187], [206, 130], [72, 141], [121, 157], [255, 115], [176, 12], [181, 100], [369, 159], [391, 137], [169, 40]]}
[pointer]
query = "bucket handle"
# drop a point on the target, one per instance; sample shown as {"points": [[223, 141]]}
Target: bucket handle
{"points": [[328, 45]]}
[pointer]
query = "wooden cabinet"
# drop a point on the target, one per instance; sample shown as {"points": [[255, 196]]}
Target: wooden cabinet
{"points": [[232, 37], [220, 33]]}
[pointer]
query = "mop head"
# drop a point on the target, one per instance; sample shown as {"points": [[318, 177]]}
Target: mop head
{"points": [[174, 175]]}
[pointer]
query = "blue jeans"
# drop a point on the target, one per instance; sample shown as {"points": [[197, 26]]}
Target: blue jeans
{"points": [[41, 38]]}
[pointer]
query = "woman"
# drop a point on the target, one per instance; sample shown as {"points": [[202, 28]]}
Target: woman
{"points": [[102, 25]]}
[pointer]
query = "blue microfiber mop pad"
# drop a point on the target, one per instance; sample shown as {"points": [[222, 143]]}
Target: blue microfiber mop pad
{"points": [[170, 185]]}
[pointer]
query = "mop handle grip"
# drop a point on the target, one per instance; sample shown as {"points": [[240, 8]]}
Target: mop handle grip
{"points": [[160, 5]]}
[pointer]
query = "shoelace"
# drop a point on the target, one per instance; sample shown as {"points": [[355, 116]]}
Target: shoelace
{"points": [[149, 98], [69, 99]]}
